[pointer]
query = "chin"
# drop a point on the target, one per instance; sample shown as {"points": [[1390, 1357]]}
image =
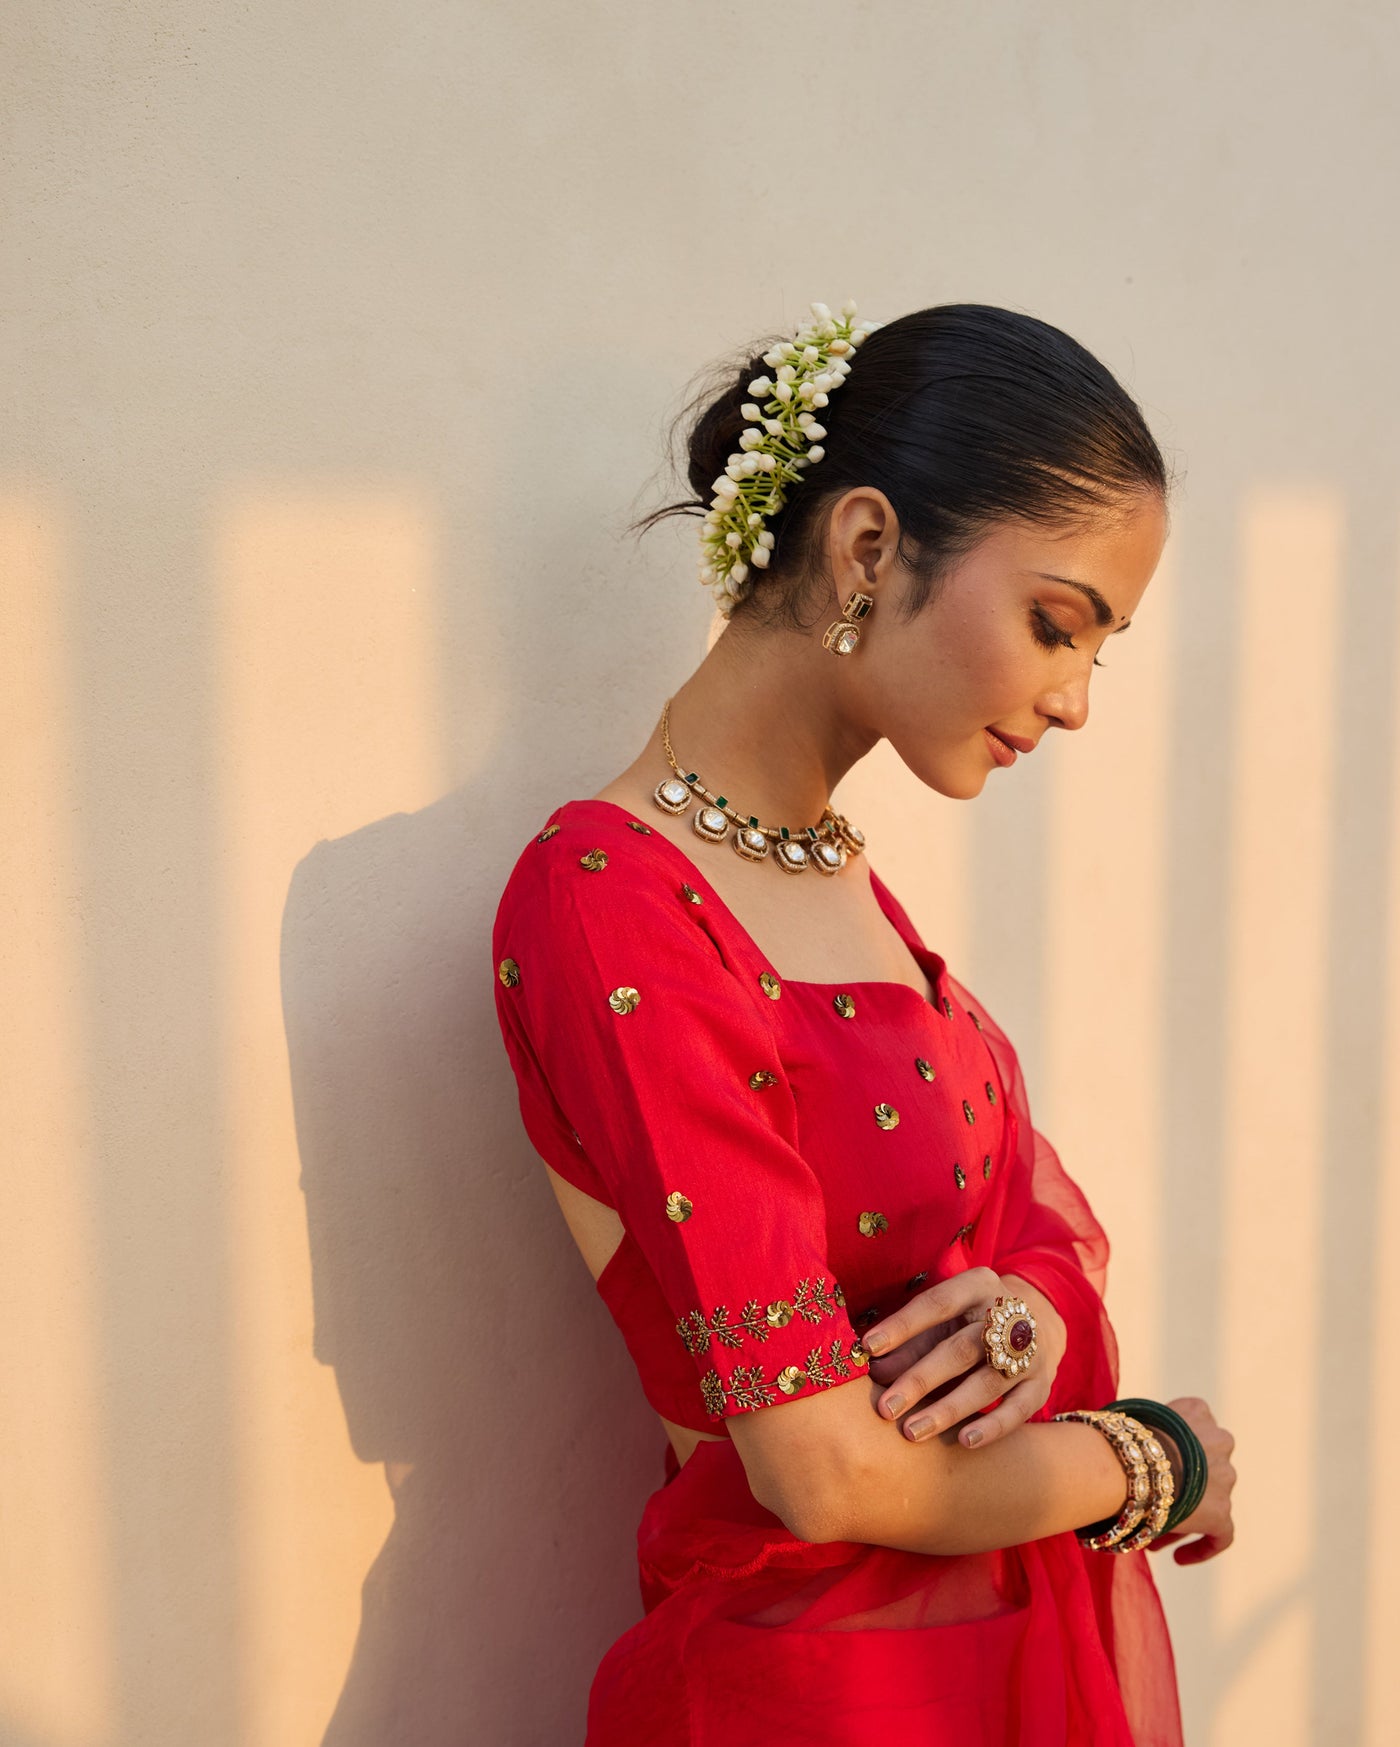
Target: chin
{"points": [[959, 780]]}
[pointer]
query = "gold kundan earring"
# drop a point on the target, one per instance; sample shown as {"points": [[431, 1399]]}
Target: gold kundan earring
{"points": [[842, 635]]}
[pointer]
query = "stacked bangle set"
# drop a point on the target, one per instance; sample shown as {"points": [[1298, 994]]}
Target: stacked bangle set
{"points": [[1153, 1506]]}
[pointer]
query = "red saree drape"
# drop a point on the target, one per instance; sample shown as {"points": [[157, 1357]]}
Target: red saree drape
{"points": [[750, 1635]]}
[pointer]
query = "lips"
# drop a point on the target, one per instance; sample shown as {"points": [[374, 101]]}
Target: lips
{"points": [[1017, 742]]}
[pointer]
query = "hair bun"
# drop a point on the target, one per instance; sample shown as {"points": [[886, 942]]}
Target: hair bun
{"points": [[961, 415], [715, 436]]}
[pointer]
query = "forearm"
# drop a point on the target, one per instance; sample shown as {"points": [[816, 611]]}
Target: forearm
{"points": [[937, 1496]]}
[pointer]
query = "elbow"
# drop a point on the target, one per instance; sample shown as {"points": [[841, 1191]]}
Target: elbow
{"points": [[819, 1464], [874, 1506], [822, 1520], [820, 1502]]}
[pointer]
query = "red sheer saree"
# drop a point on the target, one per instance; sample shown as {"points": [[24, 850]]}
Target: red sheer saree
{"points": [[734, 1121]]}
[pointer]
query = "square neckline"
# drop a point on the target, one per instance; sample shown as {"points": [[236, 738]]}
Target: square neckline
{"points": [[931, 963]]}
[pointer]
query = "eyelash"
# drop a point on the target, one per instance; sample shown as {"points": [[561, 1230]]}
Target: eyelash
{"points": [[1049, 635]]}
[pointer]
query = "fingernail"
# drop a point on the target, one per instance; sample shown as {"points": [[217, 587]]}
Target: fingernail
{"points": [[920, 1428], [893, 1404], [974, 1436], [875, 1343]]}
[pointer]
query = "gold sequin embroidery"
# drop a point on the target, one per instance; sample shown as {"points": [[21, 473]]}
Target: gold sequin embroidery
{"points": [[845, 1006], [872, 1224], [679, 1207], [509, 972], [595, 860], [824, 1371], [916, 1280], [947, 1006], [963, 1231], [770, 985], [546, 834], [761, 1078], [624, 1000], [812, 1300], [991, 1092], [748, 1387], [637, 825], [887, 1116], [689, 893], [960, 1176], [968, 1111], [987, 1165], [926, 1069]]}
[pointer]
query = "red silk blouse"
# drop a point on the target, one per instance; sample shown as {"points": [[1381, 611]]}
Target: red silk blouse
{"points": [[791, 1161]]}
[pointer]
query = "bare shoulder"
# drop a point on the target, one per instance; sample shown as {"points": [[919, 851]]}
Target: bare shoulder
{"points": [[632, 791]]}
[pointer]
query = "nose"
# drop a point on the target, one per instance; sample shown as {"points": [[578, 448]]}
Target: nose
{"points": [[1068, 708]]}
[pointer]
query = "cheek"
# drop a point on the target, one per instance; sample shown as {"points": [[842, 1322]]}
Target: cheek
{"points": [[987, 673]]}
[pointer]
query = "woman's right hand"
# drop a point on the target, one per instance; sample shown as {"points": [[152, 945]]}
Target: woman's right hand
{"points": [[1211, 1520]]}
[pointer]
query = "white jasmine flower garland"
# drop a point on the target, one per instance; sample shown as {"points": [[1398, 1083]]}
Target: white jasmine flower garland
{"points": [[781, 440]]}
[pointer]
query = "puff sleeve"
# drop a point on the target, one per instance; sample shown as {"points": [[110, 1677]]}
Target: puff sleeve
{"points": [[649, 1075], [1045, 1232]]}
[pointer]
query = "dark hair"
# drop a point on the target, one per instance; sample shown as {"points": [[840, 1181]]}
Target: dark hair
{"points": [[962, 415]]}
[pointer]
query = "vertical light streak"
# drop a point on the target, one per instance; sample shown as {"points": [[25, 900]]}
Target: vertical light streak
{"points": [[328, 720], [1275, 988], [1382, 1700], [1106, 922], [56, 1673]]}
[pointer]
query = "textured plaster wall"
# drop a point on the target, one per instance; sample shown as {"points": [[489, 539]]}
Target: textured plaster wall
{"points": [[340, 345]]}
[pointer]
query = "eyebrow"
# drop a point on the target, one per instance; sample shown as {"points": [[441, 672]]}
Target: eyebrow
{"points": [[1103, 613]]}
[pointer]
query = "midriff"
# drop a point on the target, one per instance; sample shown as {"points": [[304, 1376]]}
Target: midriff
{"points": [[684, 1440]]}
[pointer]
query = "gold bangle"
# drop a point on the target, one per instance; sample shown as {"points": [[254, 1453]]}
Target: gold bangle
{"points": [[1163, 1490], [1133, 1463]]}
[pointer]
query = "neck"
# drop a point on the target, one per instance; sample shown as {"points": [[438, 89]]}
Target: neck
{"points": [[760, 722]]}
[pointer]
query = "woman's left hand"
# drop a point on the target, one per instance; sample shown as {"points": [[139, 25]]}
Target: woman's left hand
{"points": [[936, 1339]]}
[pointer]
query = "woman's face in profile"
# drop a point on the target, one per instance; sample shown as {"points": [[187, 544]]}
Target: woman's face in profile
{"points": [[1008, 644]]}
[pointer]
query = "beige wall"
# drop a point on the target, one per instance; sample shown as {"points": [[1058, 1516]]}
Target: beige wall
{"points": [[342, 343]]}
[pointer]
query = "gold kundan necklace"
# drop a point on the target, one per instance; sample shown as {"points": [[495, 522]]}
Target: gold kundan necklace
{"points": [[823, 846]]}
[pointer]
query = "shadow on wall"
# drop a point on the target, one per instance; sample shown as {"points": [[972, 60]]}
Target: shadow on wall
{"points": [[470, 1351]]}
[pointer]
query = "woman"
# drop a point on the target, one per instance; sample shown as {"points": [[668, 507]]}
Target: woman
{"points": [[794, 1150]]}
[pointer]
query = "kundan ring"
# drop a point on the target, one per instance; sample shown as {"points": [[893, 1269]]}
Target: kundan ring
{"points": [[1008, 1336]]}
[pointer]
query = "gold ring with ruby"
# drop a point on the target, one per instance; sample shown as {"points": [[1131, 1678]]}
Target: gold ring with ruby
{"points": [[1008, 1335]]}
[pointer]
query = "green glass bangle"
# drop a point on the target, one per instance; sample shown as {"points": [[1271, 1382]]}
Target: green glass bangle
{"points": [[1194, 1467]]}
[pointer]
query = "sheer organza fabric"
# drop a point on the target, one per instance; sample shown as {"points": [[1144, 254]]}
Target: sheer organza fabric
{"points": [[750, 1635]]}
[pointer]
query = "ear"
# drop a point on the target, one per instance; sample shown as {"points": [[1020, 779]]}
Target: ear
{"points": [[863, 535]]}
